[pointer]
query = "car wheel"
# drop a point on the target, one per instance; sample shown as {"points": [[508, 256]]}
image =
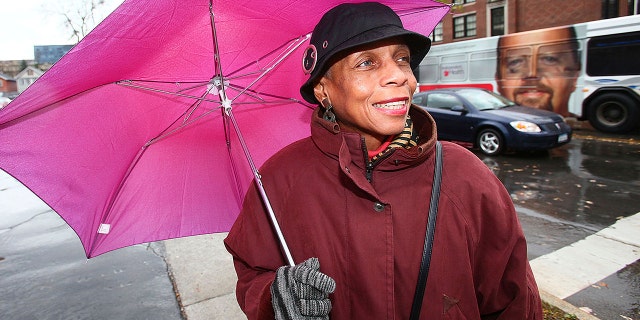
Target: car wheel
{"points": [[490, 142], [613, 113]]}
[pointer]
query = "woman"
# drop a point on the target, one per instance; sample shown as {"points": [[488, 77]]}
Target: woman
{"points": [[354, 197]]}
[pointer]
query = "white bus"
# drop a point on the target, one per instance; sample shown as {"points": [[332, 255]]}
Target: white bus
{"points": [[590, 71]]}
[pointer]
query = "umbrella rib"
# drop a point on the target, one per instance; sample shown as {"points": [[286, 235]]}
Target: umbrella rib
{"points": [[132, 84], [178, 128], [263, 194], [292, 47], [257, 95], [216, 53], [289, 43], [248, 92], [410, 11]]}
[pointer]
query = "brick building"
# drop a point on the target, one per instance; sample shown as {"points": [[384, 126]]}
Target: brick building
{"points": [[470, 19], [8, 86]]}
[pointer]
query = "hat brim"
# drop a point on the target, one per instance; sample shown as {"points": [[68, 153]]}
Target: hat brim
{"points": [[418, 44]]}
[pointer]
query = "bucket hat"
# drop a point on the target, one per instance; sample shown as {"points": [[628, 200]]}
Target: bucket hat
{"points": [[348, 26]]}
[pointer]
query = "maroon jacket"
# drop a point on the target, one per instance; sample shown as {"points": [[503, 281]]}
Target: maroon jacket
{"points": [[369, 236]]}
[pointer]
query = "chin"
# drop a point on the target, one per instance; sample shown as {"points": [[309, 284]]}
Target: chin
{"points": [[393, 131], [535, 104]]}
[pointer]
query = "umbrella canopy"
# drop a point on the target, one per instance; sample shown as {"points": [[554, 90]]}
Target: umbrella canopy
{"points": [[133, 136]]}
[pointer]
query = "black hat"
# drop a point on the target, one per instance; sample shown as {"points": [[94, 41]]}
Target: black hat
{"points": [[350, 25]]}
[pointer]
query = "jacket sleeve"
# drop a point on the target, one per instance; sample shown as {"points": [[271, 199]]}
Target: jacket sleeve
{"points": [[506, 288], [256, 256]]}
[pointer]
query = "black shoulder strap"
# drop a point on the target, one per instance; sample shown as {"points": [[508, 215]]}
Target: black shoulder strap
{"points": [[428, 239]]}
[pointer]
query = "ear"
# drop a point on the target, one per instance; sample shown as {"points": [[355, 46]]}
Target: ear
{"points": [[319, 91]]}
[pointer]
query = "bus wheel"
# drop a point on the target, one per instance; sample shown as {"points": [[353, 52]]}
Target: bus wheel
{"points": [[613, 113], [490, 142]]}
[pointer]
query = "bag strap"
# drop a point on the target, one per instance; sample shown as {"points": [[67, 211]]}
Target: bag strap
{"points": [[428, 239]]}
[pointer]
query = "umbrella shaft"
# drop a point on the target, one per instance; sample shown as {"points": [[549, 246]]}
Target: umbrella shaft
{"points": [[263, 193]]}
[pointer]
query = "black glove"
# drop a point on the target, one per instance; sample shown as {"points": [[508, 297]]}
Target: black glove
{"points": [[302, 292]]}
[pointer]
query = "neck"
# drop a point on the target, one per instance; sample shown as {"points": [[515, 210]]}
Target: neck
{"points": [[378, 147]]}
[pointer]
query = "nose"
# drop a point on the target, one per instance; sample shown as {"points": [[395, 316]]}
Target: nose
{"points": [[533, 68], [530, 71], [395, 73]]}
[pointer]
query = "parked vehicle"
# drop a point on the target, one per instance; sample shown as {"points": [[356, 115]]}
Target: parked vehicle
{"points": [[483, 119]]}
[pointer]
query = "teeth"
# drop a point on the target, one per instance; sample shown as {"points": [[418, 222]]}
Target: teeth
{"points": [[391, 105]]}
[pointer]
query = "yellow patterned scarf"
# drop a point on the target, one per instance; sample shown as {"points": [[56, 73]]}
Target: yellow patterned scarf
{"points": [[405, 139]]}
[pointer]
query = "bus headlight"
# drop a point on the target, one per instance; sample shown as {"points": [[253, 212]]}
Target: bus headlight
{"points": [[525, 126]]}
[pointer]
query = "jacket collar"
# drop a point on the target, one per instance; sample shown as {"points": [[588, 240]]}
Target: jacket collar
{"points": [[349, 149]]}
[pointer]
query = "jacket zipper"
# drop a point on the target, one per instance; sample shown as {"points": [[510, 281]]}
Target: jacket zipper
{"points": [[370, 165], [369, 171]]}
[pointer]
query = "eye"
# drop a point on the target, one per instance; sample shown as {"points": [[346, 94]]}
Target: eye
{"points": [[404, 59], [365, 63], [514, 64], [550, 60]]}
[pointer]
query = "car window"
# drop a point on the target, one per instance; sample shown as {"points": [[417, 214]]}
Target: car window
{"points": [[443, 101], [419, 100], [484, 100]]}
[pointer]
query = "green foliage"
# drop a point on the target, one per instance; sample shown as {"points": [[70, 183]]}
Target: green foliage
{"points": [[553, 313]]}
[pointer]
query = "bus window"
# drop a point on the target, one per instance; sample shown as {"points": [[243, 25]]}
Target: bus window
{"points": [[614, 55], [453, 68], [482, 65], [428, 71]]}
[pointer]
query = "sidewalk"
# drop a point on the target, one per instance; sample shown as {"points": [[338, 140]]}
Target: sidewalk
{"points": [[203, 277], [204, 280]]}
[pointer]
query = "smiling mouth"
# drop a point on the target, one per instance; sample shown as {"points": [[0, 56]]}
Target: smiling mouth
{"points": [[396, 105], [532, 92]]}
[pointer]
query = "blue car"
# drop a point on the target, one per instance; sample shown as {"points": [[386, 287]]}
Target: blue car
{"points": [[478, 118]]}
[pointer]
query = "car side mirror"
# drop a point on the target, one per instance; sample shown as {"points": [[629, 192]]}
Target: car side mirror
{"points": [[459, 108]]}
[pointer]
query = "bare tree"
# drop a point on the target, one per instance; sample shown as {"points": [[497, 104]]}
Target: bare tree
{"points": [[79, 17]]}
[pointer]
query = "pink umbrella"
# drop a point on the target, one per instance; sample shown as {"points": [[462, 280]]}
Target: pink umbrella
{"points": [[133, 136]]}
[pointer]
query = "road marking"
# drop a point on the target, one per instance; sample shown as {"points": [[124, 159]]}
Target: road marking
{"points": [[577, 266]]}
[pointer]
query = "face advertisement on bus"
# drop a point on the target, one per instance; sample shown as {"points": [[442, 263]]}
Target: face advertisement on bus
{"points": [[588, 71], [539, 69]]}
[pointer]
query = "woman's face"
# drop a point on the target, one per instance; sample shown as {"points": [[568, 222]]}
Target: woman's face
{"points": [[371, 90]]}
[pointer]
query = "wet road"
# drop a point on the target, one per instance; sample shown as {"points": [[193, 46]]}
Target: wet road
{"points": [[576, 189], [44, 273], [562, 196], [571, 192]]}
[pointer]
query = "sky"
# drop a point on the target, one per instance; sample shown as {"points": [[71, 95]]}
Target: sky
{"points": [[27, 23]]}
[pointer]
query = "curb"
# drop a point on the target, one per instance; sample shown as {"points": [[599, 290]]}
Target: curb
{"points": [[565, 306]]}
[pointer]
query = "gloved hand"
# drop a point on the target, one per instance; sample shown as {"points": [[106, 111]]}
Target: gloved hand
{"points": [[302, 292]]}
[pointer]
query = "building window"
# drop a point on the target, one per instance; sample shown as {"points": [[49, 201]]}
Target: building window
{"points": [[609, 9], [463, 1], [497, 21], [464, 26], [437, 33]]}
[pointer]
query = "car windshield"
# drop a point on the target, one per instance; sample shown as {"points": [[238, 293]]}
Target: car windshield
{"points": [[485, 100]]}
